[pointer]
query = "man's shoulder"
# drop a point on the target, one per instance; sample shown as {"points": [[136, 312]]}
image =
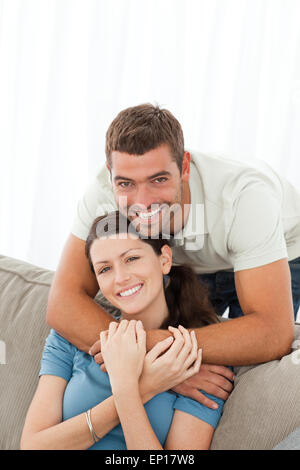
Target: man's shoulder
{"points": [[224, 178], [100, 188]]}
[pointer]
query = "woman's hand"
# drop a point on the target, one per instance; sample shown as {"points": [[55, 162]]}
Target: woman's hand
{"points": [[180, 360], [123, 347]]}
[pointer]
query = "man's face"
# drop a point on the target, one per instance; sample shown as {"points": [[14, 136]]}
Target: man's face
{"points": [[150, 190]]}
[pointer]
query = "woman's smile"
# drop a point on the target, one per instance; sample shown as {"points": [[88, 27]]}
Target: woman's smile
{"points": [[130, 292]]}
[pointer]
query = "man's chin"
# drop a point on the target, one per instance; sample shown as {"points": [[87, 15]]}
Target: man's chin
{"points": [[152, 230], [147, 230]]}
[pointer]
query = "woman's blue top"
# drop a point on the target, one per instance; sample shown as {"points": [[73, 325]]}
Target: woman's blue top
{"points": [[88, 385]]}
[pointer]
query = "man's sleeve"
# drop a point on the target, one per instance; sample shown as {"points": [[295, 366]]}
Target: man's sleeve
{"points": [[256, 235]]}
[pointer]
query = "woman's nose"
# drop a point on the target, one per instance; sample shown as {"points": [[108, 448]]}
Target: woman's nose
{"points": [[121, 275]]}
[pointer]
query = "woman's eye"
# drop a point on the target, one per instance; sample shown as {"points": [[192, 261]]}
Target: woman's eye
{"points": [[132, 258], [103, 270]]}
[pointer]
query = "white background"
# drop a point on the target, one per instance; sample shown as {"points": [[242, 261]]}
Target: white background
{"points": [[229, 70]]}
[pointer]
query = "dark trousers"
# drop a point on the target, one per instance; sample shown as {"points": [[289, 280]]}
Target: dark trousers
{"points": [[223, 294]]}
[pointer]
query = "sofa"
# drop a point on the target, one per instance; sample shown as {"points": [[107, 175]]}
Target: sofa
{"points": [[262, 410]]}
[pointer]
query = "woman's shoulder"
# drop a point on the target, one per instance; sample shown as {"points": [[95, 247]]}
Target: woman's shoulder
{"points": [[55, 340], [58, 356]]}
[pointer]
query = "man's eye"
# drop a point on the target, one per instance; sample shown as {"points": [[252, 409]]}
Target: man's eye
{"points": [[162, 179], [124, 184]]}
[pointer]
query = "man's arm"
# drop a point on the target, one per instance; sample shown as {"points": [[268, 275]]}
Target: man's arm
{"points": [[71, 310], [264, 333]]}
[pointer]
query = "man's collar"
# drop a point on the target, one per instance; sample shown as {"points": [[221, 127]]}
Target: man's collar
{"points": [[195, 226]]}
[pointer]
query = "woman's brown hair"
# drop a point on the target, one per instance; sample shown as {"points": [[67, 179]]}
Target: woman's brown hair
{"points": [[187, 298]]}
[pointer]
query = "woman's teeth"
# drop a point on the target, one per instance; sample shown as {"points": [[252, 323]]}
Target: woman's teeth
{"points": [[128, 292]]}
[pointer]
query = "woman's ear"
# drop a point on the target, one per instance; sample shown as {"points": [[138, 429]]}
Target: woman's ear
{"points": [[166, 259]]}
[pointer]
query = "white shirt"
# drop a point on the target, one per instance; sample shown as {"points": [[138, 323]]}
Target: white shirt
{"points": [[242, 215]]}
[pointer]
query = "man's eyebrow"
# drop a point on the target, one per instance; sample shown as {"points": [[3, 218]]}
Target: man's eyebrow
{"points": [[156, 175], [120, 256]]}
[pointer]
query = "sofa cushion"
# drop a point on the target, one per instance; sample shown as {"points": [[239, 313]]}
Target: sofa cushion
{"points": [[264, 407], [261, 411], [24, 291]]}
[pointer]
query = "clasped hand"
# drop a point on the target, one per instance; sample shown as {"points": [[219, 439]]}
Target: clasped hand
{"points": [[169, 363]]}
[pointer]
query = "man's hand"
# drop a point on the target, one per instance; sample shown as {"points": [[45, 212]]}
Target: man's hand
{"points": [[215, 380], [95, 351], [153, 337]]}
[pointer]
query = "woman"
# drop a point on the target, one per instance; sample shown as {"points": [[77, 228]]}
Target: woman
{"points": [[79, 406]]}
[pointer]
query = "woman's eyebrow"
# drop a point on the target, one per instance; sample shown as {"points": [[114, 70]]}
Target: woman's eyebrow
{"points": [[120, 256]]}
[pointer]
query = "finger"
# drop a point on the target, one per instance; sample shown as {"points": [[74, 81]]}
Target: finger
{"points": [[187, 347], [177, 345], [95, 348], [221, 370], [201, 398], [219, 381], [103, 339], [192, 357], [98, 358], [103, 368], [113, 326], [131, 328], [215, 391], [123, 325], [195, 368], [159, 348], [140, 335]]}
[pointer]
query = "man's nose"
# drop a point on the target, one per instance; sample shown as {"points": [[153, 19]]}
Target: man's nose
{"points": [[144, 197]]}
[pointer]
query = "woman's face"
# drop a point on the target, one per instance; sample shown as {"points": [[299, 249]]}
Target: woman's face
{"points": [[129, 272]]}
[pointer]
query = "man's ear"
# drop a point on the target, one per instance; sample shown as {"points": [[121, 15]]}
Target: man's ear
{"points": [[186, 165], [109, 169], [166, 259]]}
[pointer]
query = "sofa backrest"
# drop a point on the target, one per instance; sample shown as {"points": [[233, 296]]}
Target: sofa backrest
{"points": [[24, 292], [262, 410]]}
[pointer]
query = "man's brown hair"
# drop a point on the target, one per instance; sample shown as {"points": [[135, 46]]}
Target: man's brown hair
{"points": [[138, 129]]}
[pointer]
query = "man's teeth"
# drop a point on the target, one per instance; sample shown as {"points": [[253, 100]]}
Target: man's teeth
{"points": [[146, 215], [130, 291]]}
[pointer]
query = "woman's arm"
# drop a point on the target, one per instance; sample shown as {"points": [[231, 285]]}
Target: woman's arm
{"points": [[123, 348], [44, 428], [135, 423], [187, 432]]}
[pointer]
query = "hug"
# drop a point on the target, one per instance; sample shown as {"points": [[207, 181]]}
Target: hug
{"points": [[173, 240]]}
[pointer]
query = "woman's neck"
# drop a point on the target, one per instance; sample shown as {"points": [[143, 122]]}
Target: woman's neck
{"points": [[152, 316]]}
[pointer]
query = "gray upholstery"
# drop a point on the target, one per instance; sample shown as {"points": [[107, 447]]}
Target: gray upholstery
{"points": [[262, 410]]}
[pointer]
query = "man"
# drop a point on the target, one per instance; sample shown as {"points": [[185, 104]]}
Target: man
{"points": [[238, 226]]}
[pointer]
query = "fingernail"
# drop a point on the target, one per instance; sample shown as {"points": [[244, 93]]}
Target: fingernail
{"points": [[215, 406], [170, 338]]}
